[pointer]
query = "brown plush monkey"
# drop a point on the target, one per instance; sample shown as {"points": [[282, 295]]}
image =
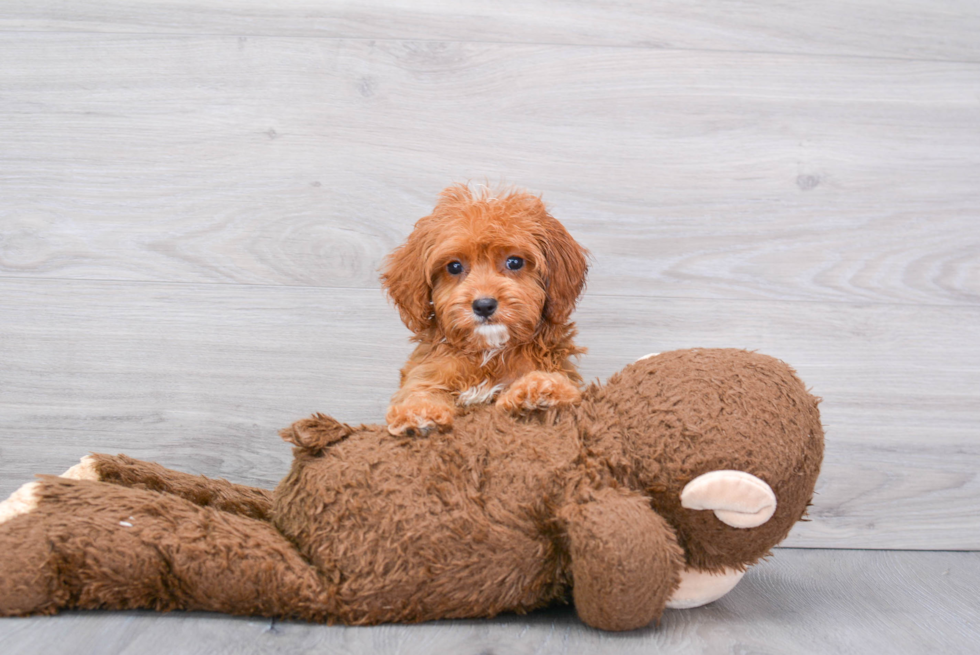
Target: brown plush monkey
{"points": [[658, 490]]}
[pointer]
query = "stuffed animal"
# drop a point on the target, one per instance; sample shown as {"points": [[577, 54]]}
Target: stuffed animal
{"points": [[656, 491]]}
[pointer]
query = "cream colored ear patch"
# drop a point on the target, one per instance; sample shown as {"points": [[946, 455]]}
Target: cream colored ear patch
{"points": [[737, 498]]}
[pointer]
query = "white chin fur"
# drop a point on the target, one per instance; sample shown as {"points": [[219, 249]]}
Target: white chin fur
{"points": [[494, 335]]}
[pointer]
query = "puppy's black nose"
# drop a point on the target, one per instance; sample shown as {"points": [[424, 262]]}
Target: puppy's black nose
{"points": [[484, 307]]}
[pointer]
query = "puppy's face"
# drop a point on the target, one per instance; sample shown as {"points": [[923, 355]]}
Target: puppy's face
{"points": [[487, 286], [486, 270]]}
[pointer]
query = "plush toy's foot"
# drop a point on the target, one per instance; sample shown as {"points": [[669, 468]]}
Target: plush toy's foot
{"points": [[699, 588], [84, 470], [20, 502], [737, 498]]}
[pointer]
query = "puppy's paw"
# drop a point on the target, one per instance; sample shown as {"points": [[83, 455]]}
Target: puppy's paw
{"points": [[418, 417], [539, 390]]}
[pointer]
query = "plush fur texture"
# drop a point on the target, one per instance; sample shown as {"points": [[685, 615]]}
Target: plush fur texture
{"points": [[504, 513], [486, 283]]}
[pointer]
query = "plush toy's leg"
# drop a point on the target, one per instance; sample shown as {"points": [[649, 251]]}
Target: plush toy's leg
{"points": [[27, 583], [625, 560], [83, 544], [206, 492]]}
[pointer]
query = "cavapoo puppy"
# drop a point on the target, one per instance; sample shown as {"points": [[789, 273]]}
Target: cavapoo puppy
{"points": [[487, 284]]}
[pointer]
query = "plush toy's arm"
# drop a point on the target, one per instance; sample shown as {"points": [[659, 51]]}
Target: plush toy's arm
{"points": [[206, 492], [625, 560], [81, 544]]}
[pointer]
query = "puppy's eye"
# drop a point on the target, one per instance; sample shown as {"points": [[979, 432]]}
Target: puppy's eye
{"points": [[454, 268], [515, 263]]}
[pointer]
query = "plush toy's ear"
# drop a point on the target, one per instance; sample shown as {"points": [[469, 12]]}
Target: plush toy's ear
{"points": [[567, 264], [406, 280], [316, 433]]}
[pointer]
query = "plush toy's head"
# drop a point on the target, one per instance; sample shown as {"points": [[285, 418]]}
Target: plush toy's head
{"points": [[683, 414]]}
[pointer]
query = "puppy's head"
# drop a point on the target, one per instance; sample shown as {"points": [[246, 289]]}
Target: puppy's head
{"points": [[485, 270]]}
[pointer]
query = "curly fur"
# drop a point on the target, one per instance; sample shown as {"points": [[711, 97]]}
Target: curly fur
{"points": [[458, 350]]}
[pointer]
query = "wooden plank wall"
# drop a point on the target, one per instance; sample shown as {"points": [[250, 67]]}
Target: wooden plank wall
{"points": [[195, 199]]}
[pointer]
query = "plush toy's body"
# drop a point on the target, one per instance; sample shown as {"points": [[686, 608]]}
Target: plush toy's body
{"points": [[501, 514]]}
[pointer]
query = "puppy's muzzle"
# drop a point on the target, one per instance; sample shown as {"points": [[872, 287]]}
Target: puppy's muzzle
{"points": [[484, 307]]}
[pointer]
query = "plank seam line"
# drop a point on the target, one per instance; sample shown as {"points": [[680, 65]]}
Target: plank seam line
{"points": [[628, 46], [587, 294]]}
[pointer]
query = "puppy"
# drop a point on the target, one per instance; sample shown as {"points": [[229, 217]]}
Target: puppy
{"points": [[487, 285]]}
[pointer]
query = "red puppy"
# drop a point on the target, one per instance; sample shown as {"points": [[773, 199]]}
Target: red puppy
{"points": [[487, 284]]}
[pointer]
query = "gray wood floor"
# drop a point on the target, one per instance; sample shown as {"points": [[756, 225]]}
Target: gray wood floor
{"points": [[800, 601], [195, 199]]}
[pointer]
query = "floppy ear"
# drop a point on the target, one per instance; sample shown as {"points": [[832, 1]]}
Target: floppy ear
{"points": [[567, 263], [406, 281]]}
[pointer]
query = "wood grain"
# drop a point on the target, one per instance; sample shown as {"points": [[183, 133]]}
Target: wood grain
{"points": [[942, 29], [800, 601], [201, 377], [292, 161], [195, 199]]}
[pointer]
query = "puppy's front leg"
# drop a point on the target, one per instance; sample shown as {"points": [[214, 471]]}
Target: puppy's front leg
{"points": [[539, 390], [423, 404]]}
